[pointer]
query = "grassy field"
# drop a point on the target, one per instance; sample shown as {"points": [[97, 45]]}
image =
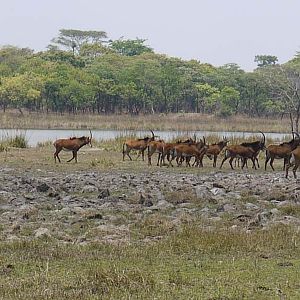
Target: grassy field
{"points": [[105, 155], [189, 262], [178, 122]]}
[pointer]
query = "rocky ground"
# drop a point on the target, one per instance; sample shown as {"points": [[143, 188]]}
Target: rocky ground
{"points": [[88, 206]]}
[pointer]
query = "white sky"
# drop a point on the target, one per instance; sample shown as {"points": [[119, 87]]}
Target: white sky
{"points": [[213, 31]]}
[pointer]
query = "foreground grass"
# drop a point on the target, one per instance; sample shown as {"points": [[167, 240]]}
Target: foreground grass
{"points": [[190, 263], [157, 261], [177, 122]]}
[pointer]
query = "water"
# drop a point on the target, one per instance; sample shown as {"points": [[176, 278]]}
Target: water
{"points": [[35, 136]]}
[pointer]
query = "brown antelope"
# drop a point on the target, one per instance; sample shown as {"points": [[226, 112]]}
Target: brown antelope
{"points": [[72, 144], [215, 149], [238, 151], [281, 151], [187, 151], [295, 161], [139, 144], [155, 147], [168, 149]]}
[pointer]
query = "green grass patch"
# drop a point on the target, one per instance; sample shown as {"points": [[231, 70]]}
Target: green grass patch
{"points": [[17, 140], [190, 263]]}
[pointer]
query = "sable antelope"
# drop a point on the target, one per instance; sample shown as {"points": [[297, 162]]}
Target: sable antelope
{"points": [[238, 151], [215, 149], [256, 146], [72, 144], [189, 150], [168, 148], [295, 161], [281, 151], [155, 147], [139, 144]]}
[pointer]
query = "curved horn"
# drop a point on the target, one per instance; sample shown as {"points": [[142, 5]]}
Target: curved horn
{"points": [[297, 134], [264, 138], [152, 135], [91, 136], [195, 138], [204, 140]]}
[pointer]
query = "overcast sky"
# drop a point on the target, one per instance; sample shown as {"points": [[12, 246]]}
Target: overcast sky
{"points": [[212, 31]]}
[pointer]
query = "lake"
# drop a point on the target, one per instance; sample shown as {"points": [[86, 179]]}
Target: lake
{"points": [[42, 135]]}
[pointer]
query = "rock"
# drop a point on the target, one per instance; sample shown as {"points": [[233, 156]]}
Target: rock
{"points": [[145, 200], [251, 206], [12, 238], [53, 194], [202, 192], [104, 194], [29, 196], [94, 216], [42, 188], [217, 185], [89, 189], [163, 204], [217, 191], [41, 232]]}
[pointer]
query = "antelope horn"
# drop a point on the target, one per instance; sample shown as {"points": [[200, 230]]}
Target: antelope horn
{"points": [[91, 137], [152, 134], [264, 138], [296, 133], [204, 140]]}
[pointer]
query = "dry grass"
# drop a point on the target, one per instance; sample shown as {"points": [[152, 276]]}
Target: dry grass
{"points": [[106, 155], [160, 260], [177, 122], [189, 263]]}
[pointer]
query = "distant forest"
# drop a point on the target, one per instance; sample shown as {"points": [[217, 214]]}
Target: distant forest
{"points": [[85, 72]]}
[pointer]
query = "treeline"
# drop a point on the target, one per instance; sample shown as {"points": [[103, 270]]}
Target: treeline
{"points": [[83, 71]]}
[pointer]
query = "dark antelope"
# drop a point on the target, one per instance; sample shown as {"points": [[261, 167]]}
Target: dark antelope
{"points": [[256, 146], [238, 151], [72, 144]]}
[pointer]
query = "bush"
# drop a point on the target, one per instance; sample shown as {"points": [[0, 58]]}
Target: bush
{"points": [[19, 140]]}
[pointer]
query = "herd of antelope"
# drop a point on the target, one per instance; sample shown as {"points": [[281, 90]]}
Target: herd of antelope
{"points": [[189, 149], [181, 151]]}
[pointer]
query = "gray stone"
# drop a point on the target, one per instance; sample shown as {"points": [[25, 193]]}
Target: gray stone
{"points": [[41, 232], [43, 187]]}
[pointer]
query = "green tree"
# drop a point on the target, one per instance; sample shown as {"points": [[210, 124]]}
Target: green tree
{"points": [[284, 89], [230, 99], [207, 97], [11, 59], [265, 60], [21, 91], [130, 47], [73, 39]]}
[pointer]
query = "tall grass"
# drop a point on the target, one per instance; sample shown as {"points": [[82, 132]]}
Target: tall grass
{"points": [[17, 140], [178, 122]]}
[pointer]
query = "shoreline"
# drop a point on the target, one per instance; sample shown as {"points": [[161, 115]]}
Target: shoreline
{"points": [[162, 122]]}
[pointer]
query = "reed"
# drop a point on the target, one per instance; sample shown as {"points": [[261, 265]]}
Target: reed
{"points": [[16, 140]]}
